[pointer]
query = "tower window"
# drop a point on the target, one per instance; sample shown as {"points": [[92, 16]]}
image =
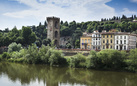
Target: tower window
{"points": [[56, 25], [56, 34]]}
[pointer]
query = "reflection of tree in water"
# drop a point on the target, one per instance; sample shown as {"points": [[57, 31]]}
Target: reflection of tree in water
{"points": [[53, 76]]}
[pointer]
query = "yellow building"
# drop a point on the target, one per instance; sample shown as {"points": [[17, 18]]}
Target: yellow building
{"points": [[107, 40], [85, 41]]}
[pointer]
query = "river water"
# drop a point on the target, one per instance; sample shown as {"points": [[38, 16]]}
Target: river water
{"points": [[13, 74]]}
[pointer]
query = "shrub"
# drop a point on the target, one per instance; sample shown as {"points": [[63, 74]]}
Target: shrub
{"points": [[19, 54], [5, 55], [56, 57], [111, 59], [77, 60], [44, 53], [91, 61], [14, 47], [132, 64], [31, 55]]}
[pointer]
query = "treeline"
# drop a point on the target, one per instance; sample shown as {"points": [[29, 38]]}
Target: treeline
{"points": [[105, 59], [25, 36], [124, 18]]}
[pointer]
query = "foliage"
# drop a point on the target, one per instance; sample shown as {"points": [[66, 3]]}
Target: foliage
{"points": [[132, 63], [56, 57], [28, 36], [77, 60], [32, 55], [5, 55], [14, 47]]}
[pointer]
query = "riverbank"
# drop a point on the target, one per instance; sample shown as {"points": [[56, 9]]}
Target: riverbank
{"points": [[103, 60]]}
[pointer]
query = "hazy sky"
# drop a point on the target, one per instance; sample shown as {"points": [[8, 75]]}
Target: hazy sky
{"points": [[30, 12]]}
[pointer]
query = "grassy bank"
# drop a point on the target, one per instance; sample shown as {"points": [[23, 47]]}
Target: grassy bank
{"points": [[105, 59]]}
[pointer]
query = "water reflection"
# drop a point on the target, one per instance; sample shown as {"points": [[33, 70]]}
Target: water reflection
{"points": [[43, 75]]}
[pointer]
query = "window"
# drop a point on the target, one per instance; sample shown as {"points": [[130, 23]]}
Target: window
{"points": [[111, 40], [88, 40], [103, 41], [93, 47], [107, 41], [111, 47], [124, 37], [99, 47], [120, 37], [82, 40], [103, 36], [124, 41], [117, 37], [103, 46], [124, 47], [111, 36], [117, 41], [107, 36], [120, 41], [117, 47], [85, 40]]}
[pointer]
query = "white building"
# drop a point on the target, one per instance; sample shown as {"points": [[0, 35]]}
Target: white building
{"points": [[96, 40], [124, 41]]}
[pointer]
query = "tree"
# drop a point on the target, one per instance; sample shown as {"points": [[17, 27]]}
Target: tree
{"points": [[46, 42], [28, 36], [77, 43]]}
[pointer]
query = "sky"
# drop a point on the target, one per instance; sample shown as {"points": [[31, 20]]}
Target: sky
{"points": [[30, 12]]}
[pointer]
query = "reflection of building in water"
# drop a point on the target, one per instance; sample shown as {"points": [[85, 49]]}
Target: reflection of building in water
{"points": [[64, 41], [53, 30]]}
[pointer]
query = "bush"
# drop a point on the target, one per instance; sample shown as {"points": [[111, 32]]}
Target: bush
{"points": [[56, 57], [44, 53], [5, 55], [77, 60], [106, 59], [91, 61], [132, 64], [111, 59], [14, 47], [19, 54], [31, 55]]}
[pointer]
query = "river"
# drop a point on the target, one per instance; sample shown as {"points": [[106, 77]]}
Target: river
{"points": [[13, 74]]}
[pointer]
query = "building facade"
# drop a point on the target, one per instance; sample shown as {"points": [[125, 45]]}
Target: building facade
{"points": [[121, 41], [125, 41], [96, 40], [53, 30], [107, 40], [132, 41], [85, 41]]}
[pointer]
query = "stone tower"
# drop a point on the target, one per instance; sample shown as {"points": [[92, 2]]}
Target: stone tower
{"points": [[53, 29]]}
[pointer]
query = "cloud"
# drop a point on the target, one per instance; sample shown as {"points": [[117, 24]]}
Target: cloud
{"points": [[67, 10], [127, 12], [134, 1]]}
